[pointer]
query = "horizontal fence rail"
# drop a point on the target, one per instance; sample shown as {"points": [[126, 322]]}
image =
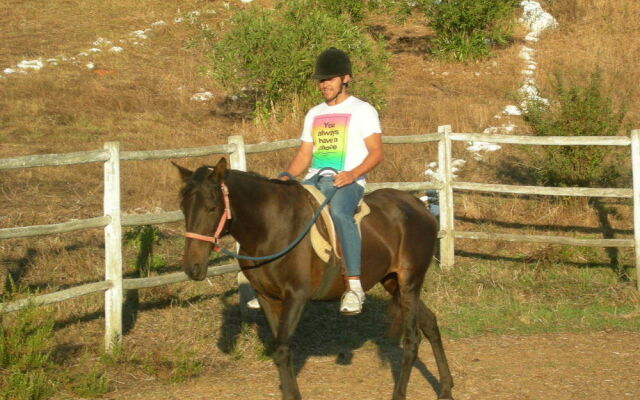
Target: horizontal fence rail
{"points": [[128, 284], [112, 221]]}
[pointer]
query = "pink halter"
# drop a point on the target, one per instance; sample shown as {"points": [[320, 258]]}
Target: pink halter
{"points": [[226, 215]]}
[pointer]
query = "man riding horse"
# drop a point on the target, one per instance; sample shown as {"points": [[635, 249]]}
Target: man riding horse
{"points": [[398, 236], [342, 133]]}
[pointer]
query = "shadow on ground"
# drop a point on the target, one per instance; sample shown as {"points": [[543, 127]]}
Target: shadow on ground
{"points": [[323, 331]]}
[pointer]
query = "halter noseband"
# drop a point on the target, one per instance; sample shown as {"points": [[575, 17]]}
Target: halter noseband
{"points": [[226, 215]]}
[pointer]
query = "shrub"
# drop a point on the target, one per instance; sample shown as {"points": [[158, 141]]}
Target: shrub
{"points": [[577, 111], [269, 55], [145, 237], [466, 29], [25, 356], [94, 384]]}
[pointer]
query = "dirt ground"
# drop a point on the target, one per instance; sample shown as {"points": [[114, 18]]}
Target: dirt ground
{"points": [[602, 365]]}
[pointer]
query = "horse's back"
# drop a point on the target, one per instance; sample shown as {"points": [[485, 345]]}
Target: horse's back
{"points": [[399, 234]]}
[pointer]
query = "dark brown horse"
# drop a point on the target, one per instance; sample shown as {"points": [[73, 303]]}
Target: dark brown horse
{"points": [[398, 240]]}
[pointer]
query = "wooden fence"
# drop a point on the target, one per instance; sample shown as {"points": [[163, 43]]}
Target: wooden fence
{"points": [[112, 220]]}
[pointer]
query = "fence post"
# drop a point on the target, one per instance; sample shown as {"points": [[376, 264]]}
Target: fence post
{"points": [[238, 156], [635, 168], [113, 248], [239, 161], [445, 198]]}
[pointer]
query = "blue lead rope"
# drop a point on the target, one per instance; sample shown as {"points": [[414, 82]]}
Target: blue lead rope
{"points": [[304, 232]]}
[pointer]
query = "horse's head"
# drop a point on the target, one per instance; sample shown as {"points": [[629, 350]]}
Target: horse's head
{"points": [[202, 204]]}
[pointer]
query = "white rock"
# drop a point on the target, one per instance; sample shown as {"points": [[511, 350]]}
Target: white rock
{"points": [[531, 37], [158, 23], [434, 175], [535, 18], [100, 42], [526, 53], [9, 71], [512, 110], [483, 146], [90, 65], [116, 49], [528, 91], [202, 96], [139, 34], [30, 64]]}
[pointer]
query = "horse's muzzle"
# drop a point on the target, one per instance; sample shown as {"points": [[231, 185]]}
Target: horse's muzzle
{"points": [[196, 271]]}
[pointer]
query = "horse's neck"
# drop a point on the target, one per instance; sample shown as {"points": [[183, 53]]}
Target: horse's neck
{"points": [[248, 196]]}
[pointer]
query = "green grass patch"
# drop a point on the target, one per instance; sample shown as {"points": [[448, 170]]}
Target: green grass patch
{"points": [[474, 299]]}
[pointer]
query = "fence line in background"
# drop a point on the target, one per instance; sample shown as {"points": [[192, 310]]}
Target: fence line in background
{"points": [[112, 221]]}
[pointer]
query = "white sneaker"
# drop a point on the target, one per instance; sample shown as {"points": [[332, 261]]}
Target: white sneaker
{"points": [[253, 304], [351, 303]]}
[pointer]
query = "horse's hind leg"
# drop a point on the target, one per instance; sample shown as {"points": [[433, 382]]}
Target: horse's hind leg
{"points": [[429, 327], [410, 341]]}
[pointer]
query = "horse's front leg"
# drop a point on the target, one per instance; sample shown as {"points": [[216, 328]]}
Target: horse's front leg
{"points": [[283, 317]]}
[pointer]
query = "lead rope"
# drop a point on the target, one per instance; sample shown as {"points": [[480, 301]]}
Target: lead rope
{"points": [[291, 245]]}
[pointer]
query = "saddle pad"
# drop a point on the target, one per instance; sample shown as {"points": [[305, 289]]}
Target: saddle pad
{"points": [[323, 246]]}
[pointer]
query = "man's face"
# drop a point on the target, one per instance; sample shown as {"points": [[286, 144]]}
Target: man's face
{"points": [[331, 87]]}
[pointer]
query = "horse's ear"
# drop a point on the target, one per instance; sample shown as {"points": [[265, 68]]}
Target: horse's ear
{"points": [[220, 169], [185, 174]]}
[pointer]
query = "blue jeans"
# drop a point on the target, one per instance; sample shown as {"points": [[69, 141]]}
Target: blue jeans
{"points": [[342, 208]]}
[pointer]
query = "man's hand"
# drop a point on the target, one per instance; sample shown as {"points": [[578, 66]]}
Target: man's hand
{"points": [[344, 178]]}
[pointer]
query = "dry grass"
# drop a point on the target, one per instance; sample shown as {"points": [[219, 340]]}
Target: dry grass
{"points": [[592, 34], [144, 103]]}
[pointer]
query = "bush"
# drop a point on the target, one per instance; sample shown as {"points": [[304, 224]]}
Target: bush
{"points": [[577, 111], [145, 237], [270, 54], [25, 356], [94, 384], [466, 29]]}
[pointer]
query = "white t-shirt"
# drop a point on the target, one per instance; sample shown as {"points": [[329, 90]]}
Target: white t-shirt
{"points": [[338, 132]]}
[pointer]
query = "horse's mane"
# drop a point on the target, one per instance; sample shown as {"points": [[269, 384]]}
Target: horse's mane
{"points": [[261, 178], [201, 174]]}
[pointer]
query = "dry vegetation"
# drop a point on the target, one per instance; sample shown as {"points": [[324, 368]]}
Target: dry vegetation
{"points": [[142, 99]]}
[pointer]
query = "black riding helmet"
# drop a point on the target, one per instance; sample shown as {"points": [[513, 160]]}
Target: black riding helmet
{"points": [[331, 63]]}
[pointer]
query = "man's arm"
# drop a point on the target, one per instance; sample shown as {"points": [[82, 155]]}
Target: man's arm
{"points": [[375, 157], [301, 160]]}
